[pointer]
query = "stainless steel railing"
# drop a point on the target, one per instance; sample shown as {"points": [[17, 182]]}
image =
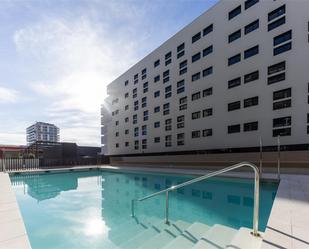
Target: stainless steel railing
{"points": [[201, 178]]}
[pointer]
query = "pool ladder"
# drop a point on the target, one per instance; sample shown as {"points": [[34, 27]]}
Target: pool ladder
{"points": [[255, 231]]}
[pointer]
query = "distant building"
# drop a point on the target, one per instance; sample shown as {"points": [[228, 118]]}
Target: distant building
{"points": [[42, 132], [12, 151]]}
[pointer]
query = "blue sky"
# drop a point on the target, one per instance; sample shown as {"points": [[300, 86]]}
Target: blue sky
{"points": [[56, 57]]}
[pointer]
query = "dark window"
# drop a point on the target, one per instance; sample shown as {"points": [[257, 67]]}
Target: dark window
{"points": [[208, 29], [126, 82], [196, 115], [234, 82], [234, 59], [283, 38], [282, 132], [282, 104], [168, 141], [166, 109], [207, 92], [207, 51], [250, 3], [251, 101], [181, 139], [252, 26], [180, 47], [207, 71], [144, 71], [276, 68], [156, 63], [196, 76], [276, 23], [156, 109], [183, 103], [252, 126], [207, 132], [276, 13], [145, 115], [144, 102], [196, 96], [144, 130], [196, 57], [196, 134], [168, 55], [182, 64], [233, 128], [156, 124], [145, 87], [126, 132], [168, 61], [196, 37], [180, 122], [233, 106], [251, 52], [180, 54], [157, 139], [180, 86], [136, 76], [234, 36], [157, 78], [283, 48], [207, 112], [276, 78], [156, 94], [251, 77], [234, 12], [281, 122], [168, 91], [282, 94]]}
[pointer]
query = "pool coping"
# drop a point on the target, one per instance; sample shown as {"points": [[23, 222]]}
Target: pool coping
{"points": [[288, 222]]}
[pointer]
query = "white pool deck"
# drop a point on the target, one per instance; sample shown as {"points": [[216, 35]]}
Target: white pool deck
{"points": [[288, 225]]}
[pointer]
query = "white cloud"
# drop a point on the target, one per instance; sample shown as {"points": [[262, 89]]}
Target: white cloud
{"points": [[8, 95]]}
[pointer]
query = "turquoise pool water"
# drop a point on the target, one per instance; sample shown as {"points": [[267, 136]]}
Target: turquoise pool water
{"points": [[77, 210]]}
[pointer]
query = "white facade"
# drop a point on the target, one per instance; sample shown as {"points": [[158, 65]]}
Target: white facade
{"points": [[42, 132], [264, 94]]}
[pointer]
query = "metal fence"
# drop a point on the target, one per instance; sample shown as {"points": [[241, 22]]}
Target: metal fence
{"points": [[10, 164]]}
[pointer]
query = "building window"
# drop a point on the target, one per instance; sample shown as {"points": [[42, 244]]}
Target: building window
{"points": [[144, 130], [117, 145], [251, 102], [166, 109], [196, 76], [144, 102], [156, 109], [276, 78], [276, 23], [283, 38], [180, 86], [208, 29], [282, 104], [156, 63], [135, 119], [235, 12], [196, 96], [126, 95], [207, 92], [207, 51], [168, 58], [196, 115], [183, 67], [180, 122], [145, 87], [117, 134], [207, 71], [168, 141], [250, 3], [276, 13], [196, 134], [166, 77], [144, 144], [234, 36], [144, 71], [207, 132], [117, 123], [180, 139], [136, 132], [252, 126], [126, 107], [156, 78], [182, 103], [282, 49], [156, 94], [180, 50], [282, 94], [156, 124], [282, 132], [234, 59], [168, 91], [145, 117], [126, 120], [233, 106], [126, 83], [134, 93], [207, 112], [157, 139], [168, 124], [234, 82], [276, 68], [136, 105], [126, 132], [196, 57], [251, 77], [252, 26], [196, 37], [136, 145], [251, 52], [282, 122], [233, 129]]}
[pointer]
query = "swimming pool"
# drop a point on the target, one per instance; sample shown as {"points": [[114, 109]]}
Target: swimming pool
{"points": [[91, 209]]}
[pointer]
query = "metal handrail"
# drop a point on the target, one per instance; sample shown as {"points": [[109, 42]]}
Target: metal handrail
{"points": [[201, 178]]}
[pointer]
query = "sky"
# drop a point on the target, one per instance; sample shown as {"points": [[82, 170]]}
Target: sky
{"points": [[57, 57]]}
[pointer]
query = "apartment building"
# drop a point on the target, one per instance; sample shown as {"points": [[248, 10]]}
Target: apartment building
{"points": [[236, 75], [42, 132]]}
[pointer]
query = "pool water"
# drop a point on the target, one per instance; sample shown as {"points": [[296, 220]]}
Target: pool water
{"points": [[90, 209]]}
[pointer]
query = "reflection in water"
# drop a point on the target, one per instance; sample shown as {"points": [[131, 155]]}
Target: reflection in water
{"points": [[92, 209]]}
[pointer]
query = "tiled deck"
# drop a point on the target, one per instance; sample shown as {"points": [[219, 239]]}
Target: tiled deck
{"points": [[288, 225]]}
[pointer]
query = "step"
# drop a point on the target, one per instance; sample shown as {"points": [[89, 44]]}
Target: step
{"points": [[189, 237], [245, 240], [166, 235], [218, 236]]}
